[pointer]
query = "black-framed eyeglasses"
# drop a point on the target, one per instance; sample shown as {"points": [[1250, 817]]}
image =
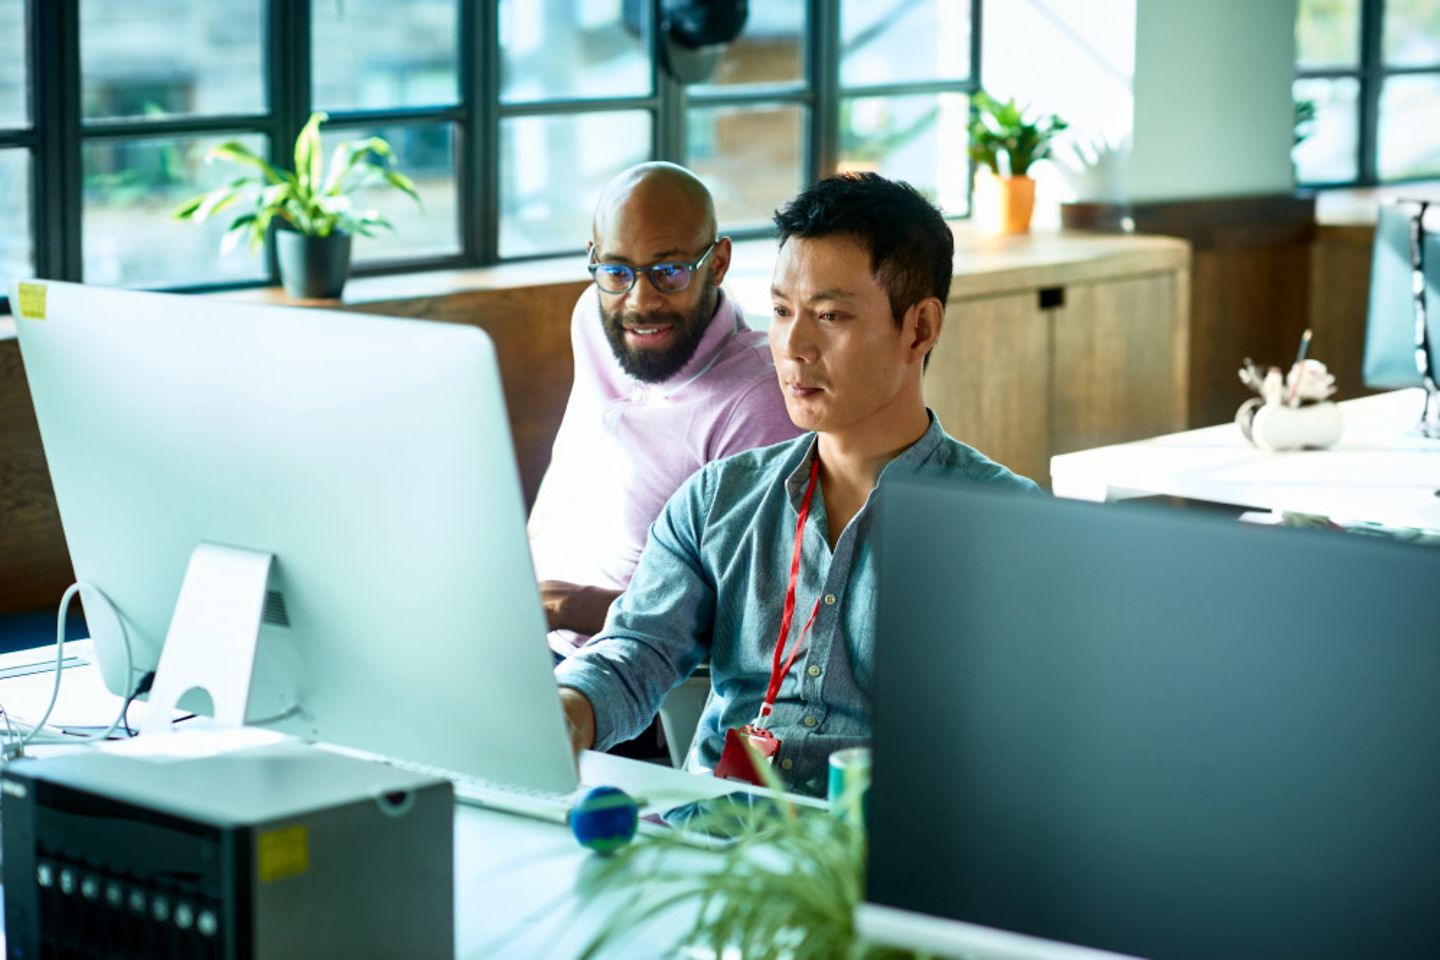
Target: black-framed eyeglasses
{"points": [[668, 277]]}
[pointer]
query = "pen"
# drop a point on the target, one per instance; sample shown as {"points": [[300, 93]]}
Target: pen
{"points": [[1291, 393]]}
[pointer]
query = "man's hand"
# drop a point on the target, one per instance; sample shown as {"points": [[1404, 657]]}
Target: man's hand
{"points": [[571, 606], [579, 719]]}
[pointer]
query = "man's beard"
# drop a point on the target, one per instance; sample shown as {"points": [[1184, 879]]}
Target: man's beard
{"points": [[659, 365]]}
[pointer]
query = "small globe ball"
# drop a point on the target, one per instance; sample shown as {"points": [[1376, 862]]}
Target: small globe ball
{"points": [[604, 820]]}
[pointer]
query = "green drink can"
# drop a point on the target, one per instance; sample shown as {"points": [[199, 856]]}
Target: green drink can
{"points": [[849, 782]]}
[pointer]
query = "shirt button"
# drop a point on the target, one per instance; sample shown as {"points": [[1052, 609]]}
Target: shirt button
{"points": [[808, 721], [786, 764], [813, 670], [829, 599]]}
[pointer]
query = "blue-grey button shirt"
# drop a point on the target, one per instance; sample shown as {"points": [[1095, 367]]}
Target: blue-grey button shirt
{"points": [[711, 583]]}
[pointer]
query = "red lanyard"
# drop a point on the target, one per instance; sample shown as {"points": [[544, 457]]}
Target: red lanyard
{"points": [[777, 670]]}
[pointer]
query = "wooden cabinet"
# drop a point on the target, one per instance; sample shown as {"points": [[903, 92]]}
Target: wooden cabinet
{"points": [[1086, 344], [989, 379]]}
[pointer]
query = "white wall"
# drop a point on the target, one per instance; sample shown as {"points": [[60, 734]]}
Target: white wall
{"points": [[1075, 58], [1184, 98], [1213, 107]]}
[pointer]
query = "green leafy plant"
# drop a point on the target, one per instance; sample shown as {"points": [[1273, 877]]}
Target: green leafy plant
{"points": [[1304, 120], [313, 199], [1001, 130], [786, 887]]}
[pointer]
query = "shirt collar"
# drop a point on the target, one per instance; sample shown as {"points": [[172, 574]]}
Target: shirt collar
{"points": [[724, 324], [912, 456]]}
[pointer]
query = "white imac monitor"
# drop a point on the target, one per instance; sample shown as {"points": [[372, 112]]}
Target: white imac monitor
{"points": [[367, 461]]}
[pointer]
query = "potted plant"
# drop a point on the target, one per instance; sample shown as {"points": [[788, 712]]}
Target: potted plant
{"points": [[785, 882], [1003, 146], [311, 207]]}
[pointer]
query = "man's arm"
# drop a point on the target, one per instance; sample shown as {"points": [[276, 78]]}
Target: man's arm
{"points": [[575, 606], [579, 718], [657, 631]]}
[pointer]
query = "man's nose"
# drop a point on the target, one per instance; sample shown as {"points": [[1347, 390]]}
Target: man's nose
{"points": [[643, 297], [798, 339]]}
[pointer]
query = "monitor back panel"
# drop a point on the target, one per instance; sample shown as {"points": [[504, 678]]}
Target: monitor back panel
{"points": [[1155, 733], [372, 456]]}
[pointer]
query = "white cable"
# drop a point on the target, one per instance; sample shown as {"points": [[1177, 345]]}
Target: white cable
{"points": [[60, 620]]}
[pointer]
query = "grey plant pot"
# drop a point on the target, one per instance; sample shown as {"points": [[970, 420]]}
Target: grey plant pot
{"points": [[313, 267]]}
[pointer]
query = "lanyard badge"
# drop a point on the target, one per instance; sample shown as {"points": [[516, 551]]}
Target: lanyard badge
{"points": [[736, 761]]}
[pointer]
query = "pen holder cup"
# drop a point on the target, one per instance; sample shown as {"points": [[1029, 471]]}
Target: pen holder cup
{"points": [[1278, 426]]}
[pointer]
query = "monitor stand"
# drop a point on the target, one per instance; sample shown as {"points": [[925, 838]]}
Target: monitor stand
{"points": [[212, 638], [1430, 415]]}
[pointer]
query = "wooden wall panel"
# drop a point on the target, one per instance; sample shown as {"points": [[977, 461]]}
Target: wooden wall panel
{"points": [[989, 380], [1119, 362], [1248, 302], [1250, 282], [34, 563]]}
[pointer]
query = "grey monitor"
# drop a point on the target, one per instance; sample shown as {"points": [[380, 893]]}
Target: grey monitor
{"points": [[1402, 327], [369, 457], [1150, 733]]}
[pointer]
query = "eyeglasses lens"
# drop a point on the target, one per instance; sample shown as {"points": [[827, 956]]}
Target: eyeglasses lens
{"points": [[671, 277]]}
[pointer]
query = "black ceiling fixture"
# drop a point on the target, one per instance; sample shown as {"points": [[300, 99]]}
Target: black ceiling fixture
{"points": [[694, 34]]}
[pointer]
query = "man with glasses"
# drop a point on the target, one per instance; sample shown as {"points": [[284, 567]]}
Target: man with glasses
{"points": [[668, 377]]}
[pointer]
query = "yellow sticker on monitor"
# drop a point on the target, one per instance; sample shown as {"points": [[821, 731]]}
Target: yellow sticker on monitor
{"points": [[282, 854], [32, 300]]}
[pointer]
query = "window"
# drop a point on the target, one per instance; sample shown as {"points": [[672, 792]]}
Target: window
{"points": [[17, 146], [1367, 90], [510, 116]]}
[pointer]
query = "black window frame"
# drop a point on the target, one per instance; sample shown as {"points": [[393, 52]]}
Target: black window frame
{"points": [[1371, 72], [58, 131]]}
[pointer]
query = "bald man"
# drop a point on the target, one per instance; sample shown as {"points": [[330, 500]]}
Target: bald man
{"points": [[668, 377]]}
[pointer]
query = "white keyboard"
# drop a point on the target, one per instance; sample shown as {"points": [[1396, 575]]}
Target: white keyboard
{"points": [[508, 797]]}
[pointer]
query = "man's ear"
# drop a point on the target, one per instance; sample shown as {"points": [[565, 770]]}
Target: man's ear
{"points": [[922, 327], [720, 260]]}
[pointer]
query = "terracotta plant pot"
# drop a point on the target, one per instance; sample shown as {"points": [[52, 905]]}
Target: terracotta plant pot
{"points": [[1003, 204]]}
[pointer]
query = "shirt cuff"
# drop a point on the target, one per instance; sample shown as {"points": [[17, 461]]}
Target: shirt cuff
{"points": [[600, 686]]}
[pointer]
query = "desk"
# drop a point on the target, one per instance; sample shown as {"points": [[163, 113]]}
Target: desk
{"points": [[514, 877], [1381, 471]]}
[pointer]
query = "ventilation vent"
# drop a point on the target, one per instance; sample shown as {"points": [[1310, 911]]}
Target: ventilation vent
{"points": [[275, 613]]}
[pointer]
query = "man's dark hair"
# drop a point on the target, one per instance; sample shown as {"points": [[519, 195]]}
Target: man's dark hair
{"points": [[912, 252]]}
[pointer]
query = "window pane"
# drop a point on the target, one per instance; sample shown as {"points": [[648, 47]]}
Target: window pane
{"points": [[1328, 152], [1327, 33], [552, 171], [1412, 33], [920, 139], [751, 158], [1409, 136], [892, 41], [572, 49], [380, 54], [770, 50], [131, 186], [14, 110], [17, 246], [424, 152], [141, 58]]}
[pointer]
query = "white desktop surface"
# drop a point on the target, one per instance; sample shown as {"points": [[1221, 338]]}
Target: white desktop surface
{"points": [[1381, 471], [514, 877]]}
